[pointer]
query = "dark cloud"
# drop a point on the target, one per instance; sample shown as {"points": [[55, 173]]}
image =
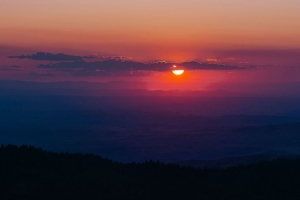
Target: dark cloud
{"points": [[52, 57], [41, 74], [13, 68], [116, 57], [194, 65], [119, 67], [110, 73]]}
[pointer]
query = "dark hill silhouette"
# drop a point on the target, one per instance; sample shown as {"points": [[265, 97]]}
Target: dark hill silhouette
{"points": [[31, 173]]}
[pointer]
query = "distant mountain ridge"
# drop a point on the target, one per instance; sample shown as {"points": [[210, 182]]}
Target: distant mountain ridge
{"points": [[233, 161]]}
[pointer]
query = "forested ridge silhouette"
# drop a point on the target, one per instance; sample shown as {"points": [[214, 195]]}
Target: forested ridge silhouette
{"points": [[27, 172]]}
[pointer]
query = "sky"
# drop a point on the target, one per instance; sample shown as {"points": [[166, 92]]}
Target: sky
{"points": [[254, 42]]}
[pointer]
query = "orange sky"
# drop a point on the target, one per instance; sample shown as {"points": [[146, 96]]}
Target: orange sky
{"points": [[146, 30]]}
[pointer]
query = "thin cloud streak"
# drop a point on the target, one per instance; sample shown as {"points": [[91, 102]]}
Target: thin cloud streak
{"points": [[52, 57], [42, 74], [13, 68]]}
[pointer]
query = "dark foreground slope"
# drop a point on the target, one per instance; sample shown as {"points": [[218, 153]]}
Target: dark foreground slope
{"points": [[31, 173]]}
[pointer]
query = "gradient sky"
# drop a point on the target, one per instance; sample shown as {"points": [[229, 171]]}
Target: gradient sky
{"points": [[259, 33]]}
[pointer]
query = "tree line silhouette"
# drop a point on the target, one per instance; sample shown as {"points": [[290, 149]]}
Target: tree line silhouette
{"points": [[27, 172]]}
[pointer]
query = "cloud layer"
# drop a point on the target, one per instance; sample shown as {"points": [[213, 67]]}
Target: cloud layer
{"points": [[52, 57], [121, 67], [109, 66]]}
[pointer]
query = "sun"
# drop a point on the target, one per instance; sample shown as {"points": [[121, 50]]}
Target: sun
{"points": [[177, 71]]}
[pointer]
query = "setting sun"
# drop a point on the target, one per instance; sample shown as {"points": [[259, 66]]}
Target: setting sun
{"points": [[178, 71]]}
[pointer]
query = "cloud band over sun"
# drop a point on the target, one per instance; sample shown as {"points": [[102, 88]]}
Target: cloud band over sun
{"points": [[115, 66]]}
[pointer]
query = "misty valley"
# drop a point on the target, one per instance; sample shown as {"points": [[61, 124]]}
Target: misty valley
{"points": [[166, 128]]}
